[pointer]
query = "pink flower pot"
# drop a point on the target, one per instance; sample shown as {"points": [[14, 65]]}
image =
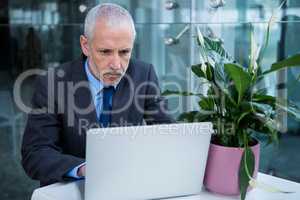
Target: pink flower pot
{"points": [[222, 168]]}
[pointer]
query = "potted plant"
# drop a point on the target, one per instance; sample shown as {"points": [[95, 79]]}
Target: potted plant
{"points": [[238, 106]]}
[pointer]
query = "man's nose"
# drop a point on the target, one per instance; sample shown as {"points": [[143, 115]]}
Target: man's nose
{"points": [[116, 62]]}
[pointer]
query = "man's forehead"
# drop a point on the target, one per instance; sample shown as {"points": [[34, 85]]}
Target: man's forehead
{"points": [[119, 49], [114, 25], [106, 45]]}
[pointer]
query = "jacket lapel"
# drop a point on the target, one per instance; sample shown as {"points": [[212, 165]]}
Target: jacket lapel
{"points": [[122, 100], [84, 107]]}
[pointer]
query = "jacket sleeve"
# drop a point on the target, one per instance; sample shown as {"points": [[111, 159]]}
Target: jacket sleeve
{"points": [[156, 111], [42, 154]]}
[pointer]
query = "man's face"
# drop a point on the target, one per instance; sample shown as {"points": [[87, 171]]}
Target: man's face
{"points": [[108, 51]]}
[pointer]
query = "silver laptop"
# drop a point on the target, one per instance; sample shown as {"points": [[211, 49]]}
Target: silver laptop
{"points": [[146, 162]]}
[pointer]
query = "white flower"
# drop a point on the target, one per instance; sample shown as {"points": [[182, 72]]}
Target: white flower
{"points": [[255, 50], [255, 184], [200, 37], [203, 67], [273, 18]]}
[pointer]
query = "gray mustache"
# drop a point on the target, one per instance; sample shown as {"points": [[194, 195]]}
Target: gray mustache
{"points": [[113, 73]]}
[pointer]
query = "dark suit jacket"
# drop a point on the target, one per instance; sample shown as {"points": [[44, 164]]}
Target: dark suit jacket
{"points": [[54, 140]]}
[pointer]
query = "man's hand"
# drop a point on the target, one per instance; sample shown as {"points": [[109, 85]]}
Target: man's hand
{"points": [[81, 171]]}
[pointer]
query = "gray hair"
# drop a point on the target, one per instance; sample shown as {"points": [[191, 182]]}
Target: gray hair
{"points": [[112, 13]]}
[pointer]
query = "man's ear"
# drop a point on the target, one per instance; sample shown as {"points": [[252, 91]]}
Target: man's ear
{"points": [[84, 45]]}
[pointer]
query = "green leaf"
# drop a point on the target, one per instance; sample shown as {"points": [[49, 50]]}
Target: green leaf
{"points": [[184, 93], [243, 115], [246, 166], [195, 116], [222, 82], [216, 45], [271, 125], [272, 135], [207, 103], [263, 108], [241, 79], [262, 91], [293, 61], [290, 108], [200, 117], [207, 74], [268, 126], [259, 126], [187, 116], [198, 71], [267, 99]]}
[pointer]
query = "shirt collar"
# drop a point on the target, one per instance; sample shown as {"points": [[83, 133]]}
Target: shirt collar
{"points": [[95, 83]]}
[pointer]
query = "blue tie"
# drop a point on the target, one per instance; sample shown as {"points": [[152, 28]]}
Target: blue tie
{"points": [[105, 116]]}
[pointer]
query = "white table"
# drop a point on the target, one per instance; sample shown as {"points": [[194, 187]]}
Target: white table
{"points": [[75, 191]]}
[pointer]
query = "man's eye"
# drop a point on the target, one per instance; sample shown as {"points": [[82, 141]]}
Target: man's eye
{"points": [[104, 52], [124, 52]]}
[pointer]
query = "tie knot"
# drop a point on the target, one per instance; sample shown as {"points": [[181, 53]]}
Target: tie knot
{"points": [[109, 88], [108, 91]]}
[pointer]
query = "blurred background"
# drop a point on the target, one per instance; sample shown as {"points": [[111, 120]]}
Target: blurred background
{"points": [[45, 33]]}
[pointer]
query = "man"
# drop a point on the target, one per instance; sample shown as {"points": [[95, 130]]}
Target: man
{"points": [[103, 88]]}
